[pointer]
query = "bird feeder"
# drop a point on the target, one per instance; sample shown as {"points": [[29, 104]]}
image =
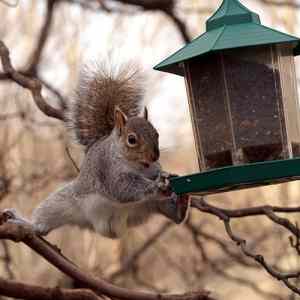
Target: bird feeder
{"points": [[242, 92]]}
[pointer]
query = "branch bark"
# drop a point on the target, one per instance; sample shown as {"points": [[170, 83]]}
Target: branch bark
{"points": [[17, 233], [15, 289]]}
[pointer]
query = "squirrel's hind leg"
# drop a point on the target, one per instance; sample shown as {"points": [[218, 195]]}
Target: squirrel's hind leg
{"points": [[13, 217], [175, 208], [49, 215], [59, 209]]}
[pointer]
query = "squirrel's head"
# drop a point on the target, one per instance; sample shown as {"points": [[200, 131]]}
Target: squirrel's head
{"points": [[138, 137]]}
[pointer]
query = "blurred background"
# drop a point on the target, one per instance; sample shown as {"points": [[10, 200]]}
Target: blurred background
{"points": [[52, 40]]}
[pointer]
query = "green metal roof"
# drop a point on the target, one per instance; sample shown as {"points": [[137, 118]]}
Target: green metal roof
{"points": [[232, 26]]}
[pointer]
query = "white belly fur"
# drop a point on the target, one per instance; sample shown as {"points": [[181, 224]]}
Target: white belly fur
{"points": [[106, 216]]}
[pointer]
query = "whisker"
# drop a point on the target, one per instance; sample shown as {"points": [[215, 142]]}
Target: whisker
{"points": [[165, 149]]}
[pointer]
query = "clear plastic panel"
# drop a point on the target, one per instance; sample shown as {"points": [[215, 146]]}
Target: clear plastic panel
{"points": [[253, 88], [290, 96], [211, 122]]}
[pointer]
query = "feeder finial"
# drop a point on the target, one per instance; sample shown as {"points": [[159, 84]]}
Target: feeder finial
{"points": [[229, 13]]}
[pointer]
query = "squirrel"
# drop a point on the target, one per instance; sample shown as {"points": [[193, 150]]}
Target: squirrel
{"points": [[120, 183]]}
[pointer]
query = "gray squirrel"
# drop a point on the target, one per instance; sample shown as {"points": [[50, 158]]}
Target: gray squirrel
{"points": [[120, 183]]}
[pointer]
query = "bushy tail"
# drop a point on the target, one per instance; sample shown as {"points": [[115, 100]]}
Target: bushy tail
{"points": [[101, 88]]}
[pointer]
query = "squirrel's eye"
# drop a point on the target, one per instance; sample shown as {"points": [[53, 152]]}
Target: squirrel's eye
{"points": [[132, 140]]}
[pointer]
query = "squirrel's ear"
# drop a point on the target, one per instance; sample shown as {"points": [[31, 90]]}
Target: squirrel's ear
{"points": [[120, 119], [146, 113]]}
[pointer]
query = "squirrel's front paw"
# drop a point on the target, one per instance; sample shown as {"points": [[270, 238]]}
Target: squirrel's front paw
{"points": [[163, 183], [165, 189], [175, 208], [166, 175], [164, 179]]}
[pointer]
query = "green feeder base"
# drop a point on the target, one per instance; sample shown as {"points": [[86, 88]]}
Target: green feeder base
{"points": [[238, 177]]}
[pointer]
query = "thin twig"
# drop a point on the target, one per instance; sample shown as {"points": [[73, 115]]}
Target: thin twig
{"points": [[269, 211], [7, 260], [72, 160], [32, 84]]}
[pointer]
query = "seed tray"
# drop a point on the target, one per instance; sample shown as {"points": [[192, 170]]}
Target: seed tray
{"points": [[237, 177]]}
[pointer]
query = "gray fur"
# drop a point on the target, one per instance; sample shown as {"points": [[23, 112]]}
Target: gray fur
{"points": [[119, 185], [110, 195]]}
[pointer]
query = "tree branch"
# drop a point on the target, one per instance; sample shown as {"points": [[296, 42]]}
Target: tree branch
{"points": [[7, 260], [15, 289], [291, 4], [165, 6], [203, 206], [41, 42], [17, 233], [32, 84], [225, 215]]}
